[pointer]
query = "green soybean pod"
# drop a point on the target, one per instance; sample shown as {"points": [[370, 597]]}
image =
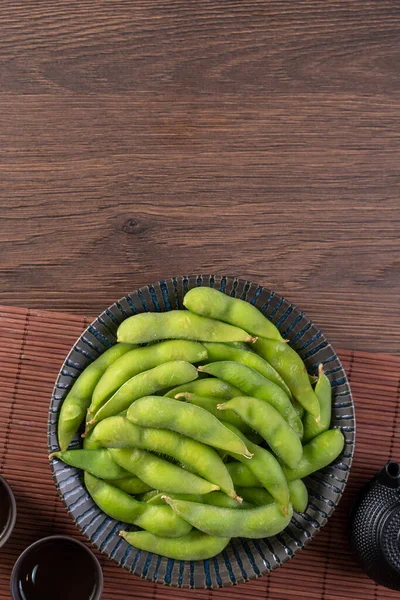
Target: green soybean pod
{"points": [[186, 419], [323, 391], [89, 443], [76, 403], [148, 496], [193, 546], [97, 462], [253, 384], [122, 507], [213, 498], [266, 468], [165, 375], [180, 325], [317, 454], [142, 359], [118, 432], [270, 424], [292, 370], [242, 475], [210, 302], [259, 496], [239, 346], [255, 495], [159, 473], [298, 495], [299, 409], [156, 497], [259, 522], [221, 352], [206, 387], [130, 485], [210, 404]]}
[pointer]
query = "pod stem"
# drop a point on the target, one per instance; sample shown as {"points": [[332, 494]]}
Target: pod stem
{"points": [[285, 509], [201, 368], [222, 406], [320, 369], [236, 497], [248, 455], [251, 339], [123, 534], [185, 395], [89, 427]]}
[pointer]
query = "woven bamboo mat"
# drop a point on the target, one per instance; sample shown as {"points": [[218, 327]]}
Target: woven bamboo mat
{"points": [[33, 345]]}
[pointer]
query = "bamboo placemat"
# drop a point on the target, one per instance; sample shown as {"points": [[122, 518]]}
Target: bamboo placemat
{"points": [[33, 345]]}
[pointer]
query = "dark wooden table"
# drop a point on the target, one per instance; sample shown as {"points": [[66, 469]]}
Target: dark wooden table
{"points": [[145, 139]]}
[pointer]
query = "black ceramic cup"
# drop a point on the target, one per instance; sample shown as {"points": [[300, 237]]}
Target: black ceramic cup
{"points": [[57, 567], [8, 511]]}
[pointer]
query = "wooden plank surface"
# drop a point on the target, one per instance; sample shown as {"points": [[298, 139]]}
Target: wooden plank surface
{"points": [[141, 140], [33, 346]]}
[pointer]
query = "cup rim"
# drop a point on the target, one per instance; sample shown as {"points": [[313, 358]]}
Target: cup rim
{"points": [[99, 572], [13, 509]]}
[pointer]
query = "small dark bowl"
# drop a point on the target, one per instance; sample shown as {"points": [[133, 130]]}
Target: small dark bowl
{"points": [[242, 559], [12, 516], [15, 575]]}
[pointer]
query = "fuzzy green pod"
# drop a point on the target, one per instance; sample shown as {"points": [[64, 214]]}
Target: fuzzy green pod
{"points": [[179, 325], [214, 304], [75, 405]]}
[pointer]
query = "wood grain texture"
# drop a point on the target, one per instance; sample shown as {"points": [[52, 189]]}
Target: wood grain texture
{"points": [[141, 140]]}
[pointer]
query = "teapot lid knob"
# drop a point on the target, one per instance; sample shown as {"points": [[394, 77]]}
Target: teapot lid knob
{"points": [[390, 475]]}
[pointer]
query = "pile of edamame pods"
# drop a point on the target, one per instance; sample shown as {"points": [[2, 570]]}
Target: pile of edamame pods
{"points": [[200, 426]]}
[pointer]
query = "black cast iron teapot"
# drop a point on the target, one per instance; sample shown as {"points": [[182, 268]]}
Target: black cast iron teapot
{"points": [[375, 527]]}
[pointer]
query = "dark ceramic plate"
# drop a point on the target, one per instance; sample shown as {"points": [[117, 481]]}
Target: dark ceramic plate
{"points": [[243, 559]]}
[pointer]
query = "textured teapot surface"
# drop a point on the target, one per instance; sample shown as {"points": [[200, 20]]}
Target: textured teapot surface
{"points": [[375, 527]]}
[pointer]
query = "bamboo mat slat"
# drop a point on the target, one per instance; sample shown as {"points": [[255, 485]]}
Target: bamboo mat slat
{"points": [[33, 345]]}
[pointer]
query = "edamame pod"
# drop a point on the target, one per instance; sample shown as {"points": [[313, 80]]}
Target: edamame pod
{"points": [[210, 404], [97, 462], [159, 473], [130, 485], [118, 432], [266, 468], [299, 409], [222, 352], [214, 498], [292, 370], [180, 325], [186, 419], [262, 417], [89, 443], [259, 496], [207, 387], [168, 374], [254, 384], [298, 495], [122, 507], [256, 495], [75, 405], [260, 522], [317, 454], [142, 359], [239, 345], [242, 475], [193, 546], [210, 302], [323, 392]]}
